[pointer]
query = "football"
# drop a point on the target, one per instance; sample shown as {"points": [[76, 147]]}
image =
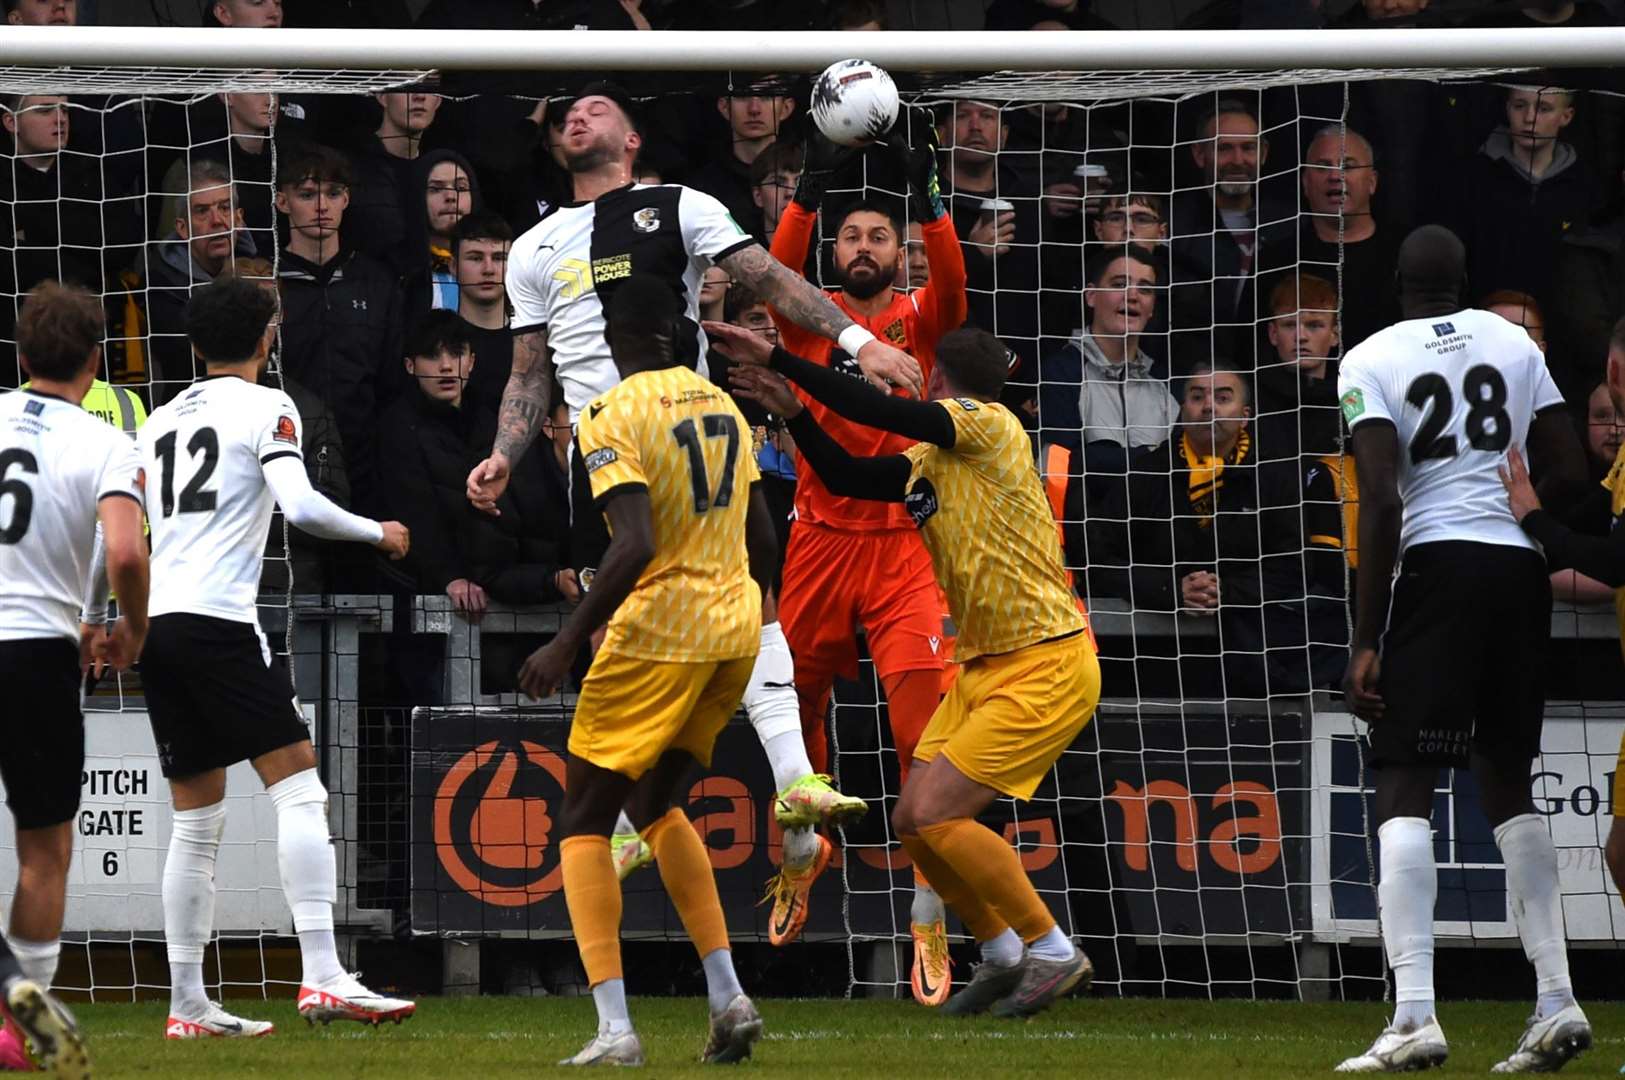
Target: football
{"points": [[854, 102]]}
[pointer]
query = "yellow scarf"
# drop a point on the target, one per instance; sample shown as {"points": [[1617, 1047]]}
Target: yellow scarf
{"points": [[439, 258], [1207, 474]]}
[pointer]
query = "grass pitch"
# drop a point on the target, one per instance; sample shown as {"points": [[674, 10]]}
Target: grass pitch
{"points": [[486, 1038]]}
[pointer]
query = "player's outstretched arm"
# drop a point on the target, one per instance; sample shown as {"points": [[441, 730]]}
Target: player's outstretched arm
{"points": [[314, 513], [923, 421], [1376, 455], [1601, 558], [524, 406], [883, 479], [804, 304], [631, 546], [125, 544]]}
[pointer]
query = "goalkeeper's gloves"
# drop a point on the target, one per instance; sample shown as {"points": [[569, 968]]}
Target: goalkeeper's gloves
{"points": [[823, 159], [913, 138]]}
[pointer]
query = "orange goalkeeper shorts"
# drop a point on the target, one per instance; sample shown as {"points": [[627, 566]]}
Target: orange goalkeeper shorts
{"points": [[836, 581]]}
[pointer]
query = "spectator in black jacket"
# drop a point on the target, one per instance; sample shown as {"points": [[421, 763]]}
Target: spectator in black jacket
{"points": [[340, 312], [479, 251], [1522, 193], [754, 116], [1588, 296], [1206, 528], [1220, 231], [377, 224], [444, 191], [1297, 380], [432, 438], [58, 221]]}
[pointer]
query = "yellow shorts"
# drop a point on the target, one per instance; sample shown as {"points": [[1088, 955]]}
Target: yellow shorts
{"points": [[1009, 717], [1619, 782], [631, 711]]}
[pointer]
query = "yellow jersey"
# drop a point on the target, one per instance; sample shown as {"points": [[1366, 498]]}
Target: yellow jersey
{"points": [[1615, 483], [673, 434], [981, 510]]}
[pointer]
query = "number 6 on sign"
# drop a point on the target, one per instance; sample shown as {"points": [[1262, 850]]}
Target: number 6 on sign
{"points": [[716, 426]]}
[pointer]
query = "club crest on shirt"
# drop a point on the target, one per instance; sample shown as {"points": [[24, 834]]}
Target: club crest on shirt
{"points": [[921, 502], [646, 220], [286, 431], [895, 333], [600, 457]]}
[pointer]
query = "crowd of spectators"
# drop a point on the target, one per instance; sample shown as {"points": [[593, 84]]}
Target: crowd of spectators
{"points": [[1176, 280]]}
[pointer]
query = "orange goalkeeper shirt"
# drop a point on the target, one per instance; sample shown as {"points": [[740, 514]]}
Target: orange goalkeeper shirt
{"points": [[913, 322]]}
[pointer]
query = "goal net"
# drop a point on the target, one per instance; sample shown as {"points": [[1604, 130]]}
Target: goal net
{"points": [[1208, 833]]}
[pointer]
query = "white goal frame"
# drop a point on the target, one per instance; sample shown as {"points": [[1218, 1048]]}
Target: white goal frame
{"points": [[746, 50]]}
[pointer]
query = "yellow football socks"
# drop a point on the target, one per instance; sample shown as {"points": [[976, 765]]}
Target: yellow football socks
{"points": [[685, 868], [593, 896], [990, 866], [982, 921]]}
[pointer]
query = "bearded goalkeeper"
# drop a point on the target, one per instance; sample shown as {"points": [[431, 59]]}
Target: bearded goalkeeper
{"points": [[1028, 681]]}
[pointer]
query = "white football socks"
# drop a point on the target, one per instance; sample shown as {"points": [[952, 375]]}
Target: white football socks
{"points": [[308, 869], [1537, 906], [37, 958], [774, 710], [1054, 945], [926, 907], [624, 826], [721, 983], [610, 998], [800, 846], [1002, 951], [188, 892], [1406, 891]]}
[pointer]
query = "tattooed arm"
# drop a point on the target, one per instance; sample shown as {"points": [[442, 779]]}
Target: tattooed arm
{"points": [[524, 407], [804, 304]]}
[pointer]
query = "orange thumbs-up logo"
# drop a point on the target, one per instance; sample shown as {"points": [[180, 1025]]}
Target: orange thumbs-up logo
{"points": [[491, 822]]}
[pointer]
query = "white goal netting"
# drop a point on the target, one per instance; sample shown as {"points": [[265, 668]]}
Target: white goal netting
{"points": [[1207, 834]]}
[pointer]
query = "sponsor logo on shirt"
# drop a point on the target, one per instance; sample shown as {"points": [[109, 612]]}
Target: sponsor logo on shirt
{"points": [[1353, 405], [285, 430], [611, 268], [1443, 329], [646, 220], [921, 502], [967, 404], [575, 277], [600, 457], [34, 408]]}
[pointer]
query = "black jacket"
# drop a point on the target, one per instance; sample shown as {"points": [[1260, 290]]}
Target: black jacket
{"points": [[1273, 537], [1588, 292], [376, 221], [1514, 226], [341, 338], [430, 448]]}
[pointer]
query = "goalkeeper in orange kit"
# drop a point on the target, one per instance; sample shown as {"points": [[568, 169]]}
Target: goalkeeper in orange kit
{"points": [[849, 562]]}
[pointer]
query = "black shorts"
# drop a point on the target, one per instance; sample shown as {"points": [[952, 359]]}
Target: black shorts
{"points": [[589, 532], [216, 694], [1464, 656], [43, 760]]}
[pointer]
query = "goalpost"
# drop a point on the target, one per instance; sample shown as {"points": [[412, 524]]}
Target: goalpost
{"points": [[1196, 844]]}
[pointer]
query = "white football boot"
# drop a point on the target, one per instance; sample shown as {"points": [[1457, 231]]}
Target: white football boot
{"points": [[1547, 1045], [217, 1023], [609, 1049], [1422, 1047], [344, 998]]}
